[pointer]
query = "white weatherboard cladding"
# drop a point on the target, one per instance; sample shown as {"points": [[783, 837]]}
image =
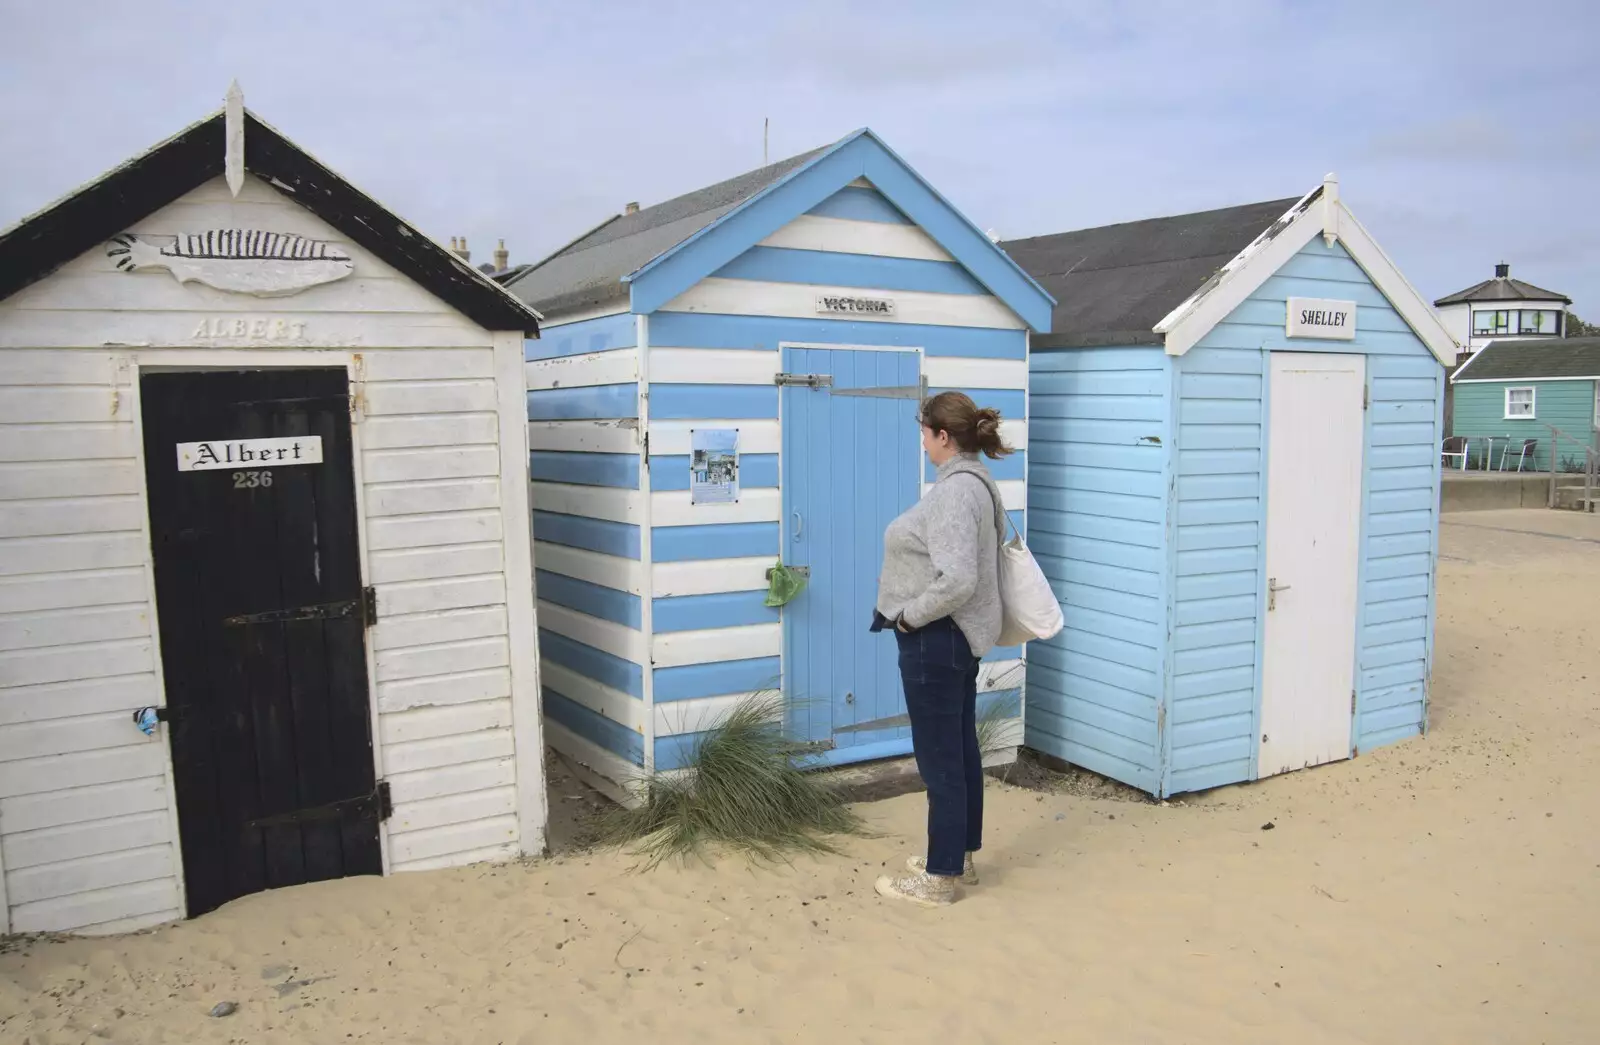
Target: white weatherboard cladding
{"points": [[88, 824]]}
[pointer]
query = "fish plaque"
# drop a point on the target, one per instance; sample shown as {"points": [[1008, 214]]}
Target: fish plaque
{"points": [[241, 261]]}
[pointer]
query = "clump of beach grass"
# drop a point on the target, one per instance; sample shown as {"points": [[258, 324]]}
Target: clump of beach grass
{"points": [[745, 789]]}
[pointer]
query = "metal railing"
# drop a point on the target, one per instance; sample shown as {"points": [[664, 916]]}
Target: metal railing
{"points": [[1591, 466]]}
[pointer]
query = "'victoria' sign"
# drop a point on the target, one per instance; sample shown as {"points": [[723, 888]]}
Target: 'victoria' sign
{"points": [[256, 453], [1319, 317], [842, 304]]}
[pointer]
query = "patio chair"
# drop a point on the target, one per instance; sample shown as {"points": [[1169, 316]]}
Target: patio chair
{"points": [[1455, 446], [1522, 456]]}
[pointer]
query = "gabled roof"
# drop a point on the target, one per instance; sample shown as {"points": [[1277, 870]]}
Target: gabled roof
{"points": [[1502, 289], [1548, 358], [41, 243], [590, 271], [653, 255], [1112, 284]]}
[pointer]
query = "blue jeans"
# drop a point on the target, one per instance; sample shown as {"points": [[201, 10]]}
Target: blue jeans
{"points": [[940, 676]]}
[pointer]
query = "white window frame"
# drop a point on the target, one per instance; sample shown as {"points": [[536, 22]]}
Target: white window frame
{"points": [[1533, 403]]}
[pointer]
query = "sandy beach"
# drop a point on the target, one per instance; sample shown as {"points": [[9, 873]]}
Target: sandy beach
{"points": [[1442, 890]]}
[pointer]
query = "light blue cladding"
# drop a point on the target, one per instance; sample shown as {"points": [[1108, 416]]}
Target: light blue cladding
{"points": [[1221, 457], [1098, 441], [1147, 508]]}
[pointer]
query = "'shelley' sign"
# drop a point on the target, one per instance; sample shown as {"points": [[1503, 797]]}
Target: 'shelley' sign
{"points": [[1322, 318]]}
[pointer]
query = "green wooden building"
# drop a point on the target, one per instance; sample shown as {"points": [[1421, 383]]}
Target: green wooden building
{"points": [[1515, 390]]}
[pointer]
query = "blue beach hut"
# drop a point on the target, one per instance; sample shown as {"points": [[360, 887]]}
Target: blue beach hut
{"points": [[791, 317], [1233, 484]]}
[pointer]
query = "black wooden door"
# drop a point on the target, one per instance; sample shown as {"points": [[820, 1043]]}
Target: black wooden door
{"points": [[263, 628]]}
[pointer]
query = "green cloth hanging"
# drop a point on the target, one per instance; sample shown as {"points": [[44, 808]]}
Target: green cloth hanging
{"points": [[783, 584]]}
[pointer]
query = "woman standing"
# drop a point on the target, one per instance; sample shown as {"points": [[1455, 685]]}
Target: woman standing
{"points": [[940, 592]]}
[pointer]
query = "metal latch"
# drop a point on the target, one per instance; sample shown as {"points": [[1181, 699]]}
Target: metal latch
{"points": [[1273, 588], [805, 380], [376, 803], [803, 571]]}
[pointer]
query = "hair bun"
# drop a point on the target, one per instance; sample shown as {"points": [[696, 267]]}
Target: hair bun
{"points": [[988, 421]]}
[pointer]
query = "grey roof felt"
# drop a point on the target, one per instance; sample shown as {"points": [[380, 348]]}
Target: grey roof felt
{"points": [[588, 271], [1506, 289], [1114, 283], [1514, 360]]}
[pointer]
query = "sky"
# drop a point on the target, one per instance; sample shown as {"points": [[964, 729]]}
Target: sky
{"points": [[1463, 133]]}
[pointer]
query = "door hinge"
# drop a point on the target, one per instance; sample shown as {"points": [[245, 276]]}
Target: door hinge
{"points": [[644, 448], [1352, 702], [369, 605], [385, 802], [804, 380], [1366, 396]]}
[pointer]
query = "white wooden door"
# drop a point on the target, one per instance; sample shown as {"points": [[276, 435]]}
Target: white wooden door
{"points": [[1314, 459]]}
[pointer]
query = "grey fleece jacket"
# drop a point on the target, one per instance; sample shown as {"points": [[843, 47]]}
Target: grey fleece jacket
{"points": [[941, 557]]}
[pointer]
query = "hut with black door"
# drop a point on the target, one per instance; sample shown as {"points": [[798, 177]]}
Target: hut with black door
{"points": [[266, 589]]}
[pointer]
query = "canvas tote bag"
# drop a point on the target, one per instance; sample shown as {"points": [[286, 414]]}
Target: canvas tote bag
{"points": [[1028, 608]]}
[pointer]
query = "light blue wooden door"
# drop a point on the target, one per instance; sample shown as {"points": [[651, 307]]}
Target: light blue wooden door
{"points": [[851, 463]]}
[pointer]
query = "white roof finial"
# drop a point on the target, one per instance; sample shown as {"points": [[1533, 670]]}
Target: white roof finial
{"points": [[1330, 209], [233, 138]]}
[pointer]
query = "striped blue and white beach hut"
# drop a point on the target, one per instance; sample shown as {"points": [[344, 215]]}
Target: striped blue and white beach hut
{"points": [[792, 317]]}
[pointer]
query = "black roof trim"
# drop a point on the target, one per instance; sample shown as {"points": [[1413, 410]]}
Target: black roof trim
{"points": [[43, 242]]}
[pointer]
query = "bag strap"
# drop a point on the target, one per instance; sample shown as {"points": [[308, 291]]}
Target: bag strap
{"points": [[998, 507]]}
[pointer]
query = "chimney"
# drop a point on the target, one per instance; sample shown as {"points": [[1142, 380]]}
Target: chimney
{"points": [[502, 257], [1502, 271], [466, 255], [632, 208]]}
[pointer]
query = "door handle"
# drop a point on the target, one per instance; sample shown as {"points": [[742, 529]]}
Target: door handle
{"points": [[799, 525], [1273, 588]]}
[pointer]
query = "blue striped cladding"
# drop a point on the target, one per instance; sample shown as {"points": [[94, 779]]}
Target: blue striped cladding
{"points": [[589, 335], [1098, 439], [1011, 402], [830, 269], [1012, 466], [861, 155], [585, 469], [596, 600], [678, 751], [595, 535], [728, 609], [597, 664], [714, 541], [716, 680], [854, 203], [673, 402], [671, 472], [764, 333], [589, 403], [594, 727]]}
